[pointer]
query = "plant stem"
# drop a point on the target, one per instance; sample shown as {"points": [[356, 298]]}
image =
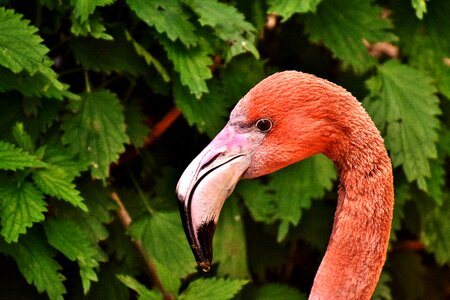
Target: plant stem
{"points": [[86, 81], [162, 125], [123, 214], [126, 220], [409, 245]]}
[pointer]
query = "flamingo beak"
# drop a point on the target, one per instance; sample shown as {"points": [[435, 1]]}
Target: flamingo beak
{"points": [[205, 185]]}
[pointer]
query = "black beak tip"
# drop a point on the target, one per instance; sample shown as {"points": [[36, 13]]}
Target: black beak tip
{"points": [[201, 242]]}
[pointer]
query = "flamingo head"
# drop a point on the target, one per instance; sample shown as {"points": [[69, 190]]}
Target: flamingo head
{"points": [[280, 121]]}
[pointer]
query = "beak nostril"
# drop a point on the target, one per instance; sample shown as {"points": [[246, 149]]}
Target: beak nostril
{"points": [[209, 161]]}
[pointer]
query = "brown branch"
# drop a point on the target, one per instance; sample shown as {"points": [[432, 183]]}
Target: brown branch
{"points": [[271, 21], [162, 125], [126, 220], [154, 134], [446, 61], [411, 245], [381, 49]]}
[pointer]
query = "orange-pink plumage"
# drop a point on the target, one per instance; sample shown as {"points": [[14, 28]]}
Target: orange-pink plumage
{"points": [[307, 115]]}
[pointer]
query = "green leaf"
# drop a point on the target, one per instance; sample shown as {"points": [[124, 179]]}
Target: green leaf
{"points": [[123, 250], [436, 181], [420, 6], [286, 9], [89, 229], [193, 65], [402, 196], [83, 8], [11, 110], [22, 138], [289, 191], [316, 225], [163, 238], [169, 280], [143, 292], [149, 59], [74, 243], [97, 131], [12, 158], [36, 85], [120, 57], [411, 113], [423, 42], [100, 207], [137, 130], [228, 24], [35, 261], [255, 195], [436, 230], [20, 47], [212, 289], [42, 114], [167, 16], [231, 249], [55, 182], [92, 26], [342, 25], [108, 285], [239, 76], [383, 288], [164, 178], [22, 204], [58, 156], [408, 274], [313, 178], [209, 113], [275, 291], [428, 50]]}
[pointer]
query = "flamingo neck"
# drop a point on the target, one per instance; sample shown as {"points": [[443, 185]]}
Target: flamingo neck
{"points": [[358, 244]]}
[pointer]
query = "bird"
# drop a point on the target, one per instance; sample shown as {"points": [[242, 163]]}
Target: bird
{"points": [[285, 118]]}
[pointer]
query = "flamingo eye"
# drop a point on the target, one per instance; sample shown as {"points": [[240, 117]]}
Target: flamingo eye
{"points": [[264, 125]]}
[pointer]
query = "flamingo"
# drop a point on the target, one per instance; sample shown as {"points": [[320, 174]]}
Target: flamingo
{"points": [[284, 119]]}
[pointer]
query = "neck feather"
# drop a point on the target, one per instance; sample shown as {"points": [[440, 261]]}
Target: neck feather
{"points": [[357, 249]]}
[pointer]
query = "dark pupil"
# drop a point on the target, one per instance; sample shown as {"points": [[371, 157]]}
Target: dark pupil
{"points": [[263, 125]]}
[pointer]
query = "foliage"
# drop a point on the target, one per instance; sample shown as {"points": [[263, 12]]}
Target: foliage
{"points": [[85, 88], [411, 146]]}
